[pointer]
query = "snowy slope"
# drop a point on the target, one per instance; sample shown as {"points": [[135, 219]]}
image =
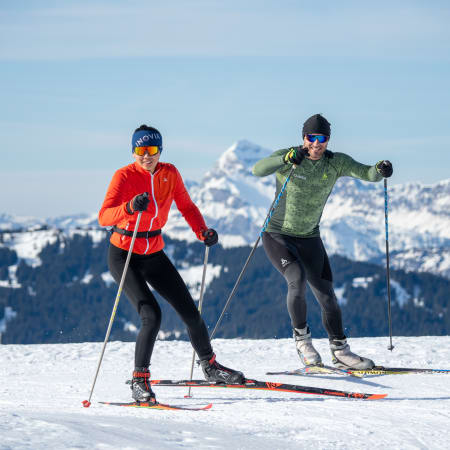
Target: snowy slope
{"points": [[29, 244], [42, 387]]}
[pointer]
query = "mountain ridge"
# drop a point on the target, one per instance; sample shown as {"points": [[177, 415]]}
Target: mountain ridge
{"points": [[235, 203]]}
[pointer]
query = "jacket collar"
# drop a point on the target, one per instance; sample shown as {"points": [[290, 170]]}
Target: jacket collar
{"points": [[140, 169]]}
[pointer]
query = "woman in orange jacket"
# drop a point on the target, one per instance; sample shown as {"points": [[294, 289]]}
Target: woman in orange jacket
{"points": [[151, 186]]}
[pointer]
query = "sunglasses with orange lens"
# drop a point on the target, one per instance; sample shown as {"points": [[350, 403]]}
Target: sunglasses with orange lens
{"points": [[151, 150]]}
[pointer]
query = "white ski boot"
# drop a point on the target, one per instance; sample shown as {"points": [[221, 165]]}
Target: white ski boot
{"points": [[343, 358], [308, 354]]}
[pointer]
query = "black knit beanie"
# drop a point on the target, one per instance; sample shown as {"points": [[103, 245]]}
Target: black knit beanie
{"points": [[316, 124]]}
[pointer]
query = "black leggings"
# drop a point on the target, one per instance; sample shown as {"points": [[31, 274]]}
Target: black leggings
{"points": [[157, 270], [302, 260]]}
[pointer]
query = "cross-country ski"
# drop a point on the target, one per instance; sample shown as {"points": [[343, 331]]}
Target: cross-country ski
{"points": [[270, 386], [159, 405], [377, 370]]}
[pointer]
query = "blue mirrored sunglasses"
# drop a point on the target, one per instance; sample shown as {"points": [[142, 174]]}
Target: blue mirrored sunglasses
{"points": [[320, 137]]}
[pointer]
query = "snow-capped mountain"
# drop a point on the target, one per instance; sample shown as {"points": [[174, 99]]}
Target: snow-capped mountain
{"points": [[235, 203], [353, 224], [232, 200], [9, 222]]}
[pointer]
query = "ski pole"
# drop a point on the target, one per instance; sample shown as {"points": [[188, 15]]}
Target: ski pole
{"points": [[266, 223], [87, 403], [390, 346], [200, 303]]}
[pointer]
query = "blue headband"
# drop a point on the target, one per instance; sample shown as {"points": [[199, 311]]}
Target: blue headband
{"points": [[144, 138]]}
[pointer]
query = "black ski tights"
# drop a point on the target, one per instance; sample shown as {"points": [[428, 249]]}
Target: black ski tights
{"points": [[302, 260], [157, 270]]}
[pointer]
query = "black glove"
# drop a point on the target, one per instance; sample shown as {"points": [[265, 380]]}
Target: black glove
{"points": [[138, 203], [296, 155], [210, 237], [384, 168]]}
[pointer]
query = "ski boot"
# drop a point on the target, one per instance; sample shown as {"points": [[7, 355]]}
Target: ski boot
{"points": [[306, 351], [343, 358], [215, 372], [140, 386]]}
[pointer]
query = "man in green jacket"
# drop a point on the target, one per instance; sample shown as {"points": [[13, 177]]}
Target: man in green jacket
{"points": [[292, 239]]}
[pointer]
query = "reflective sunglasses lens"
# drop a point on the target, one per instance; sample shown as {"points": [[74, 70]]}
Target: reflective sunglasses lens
{"points": [[151, 150], [321, 138]]}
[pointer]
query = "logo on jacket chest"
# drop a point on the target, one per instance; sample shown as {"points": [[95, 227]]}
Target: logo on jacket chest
{"points": [[324, 177], [164, 188]]}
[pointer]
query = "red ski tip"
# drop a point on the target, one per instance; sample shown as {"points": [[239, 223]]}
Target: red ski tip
{"points": [[188, 396], [86, 403], [376, 396]]}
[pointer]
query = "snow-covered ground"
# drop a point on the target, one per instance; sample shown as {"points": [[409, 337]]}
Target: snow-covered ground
{"points": [[42, 387]]}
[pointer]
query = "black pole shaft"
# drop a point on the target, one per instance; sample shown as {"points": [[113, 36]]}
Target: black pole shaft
{"points": [[200, 305], [388, 278], [235, 287], [266, 222]]}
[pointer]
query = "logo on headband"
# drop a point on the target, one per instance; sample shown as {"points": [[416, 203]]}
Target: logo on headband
{"points": [[144, 138], [149, 138]]}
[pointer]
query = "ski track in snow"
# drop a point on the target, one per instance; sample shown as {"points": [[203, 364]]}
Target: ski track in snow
{"points": [[42, 387]]}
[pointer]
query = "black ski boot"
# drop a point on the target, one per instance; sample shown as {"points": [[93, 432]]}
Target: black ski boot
{"points": [[215, 372], [140, 386]]}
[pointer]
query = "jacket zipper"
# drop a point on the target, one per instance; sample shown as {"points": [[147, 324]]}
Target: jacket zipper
{"points": [[156, 207]]}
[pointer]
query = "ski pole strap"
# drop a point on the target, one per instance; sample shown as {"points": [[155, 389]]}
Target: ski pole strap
{"points": [[139, 234]]}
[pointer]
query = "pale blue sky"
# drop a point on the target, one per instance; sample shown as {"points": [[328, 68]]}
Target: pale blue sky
{"points": [[76, 78]]}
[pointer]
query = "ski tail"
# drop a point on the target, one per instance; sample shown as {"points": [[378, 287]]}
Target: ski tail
{"points": [[318, 370], [322, 369]]}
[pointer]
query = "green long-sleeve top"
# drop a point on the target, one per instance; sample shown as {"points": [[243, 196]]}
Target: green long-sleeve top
{"points": [[300, 208]]}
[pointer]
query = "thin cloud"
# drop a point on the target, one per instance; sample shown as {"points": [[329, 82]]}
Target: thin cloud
{"points": [[142, 29]]}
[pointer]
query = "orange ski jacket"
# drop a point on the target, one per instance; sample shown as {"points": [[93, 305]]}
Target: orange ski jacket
{"points": [[164, 186]]}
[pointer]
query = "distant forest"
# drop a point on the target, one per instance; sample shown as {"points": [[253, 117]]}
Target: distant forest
{"points": [[53, 304]]}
